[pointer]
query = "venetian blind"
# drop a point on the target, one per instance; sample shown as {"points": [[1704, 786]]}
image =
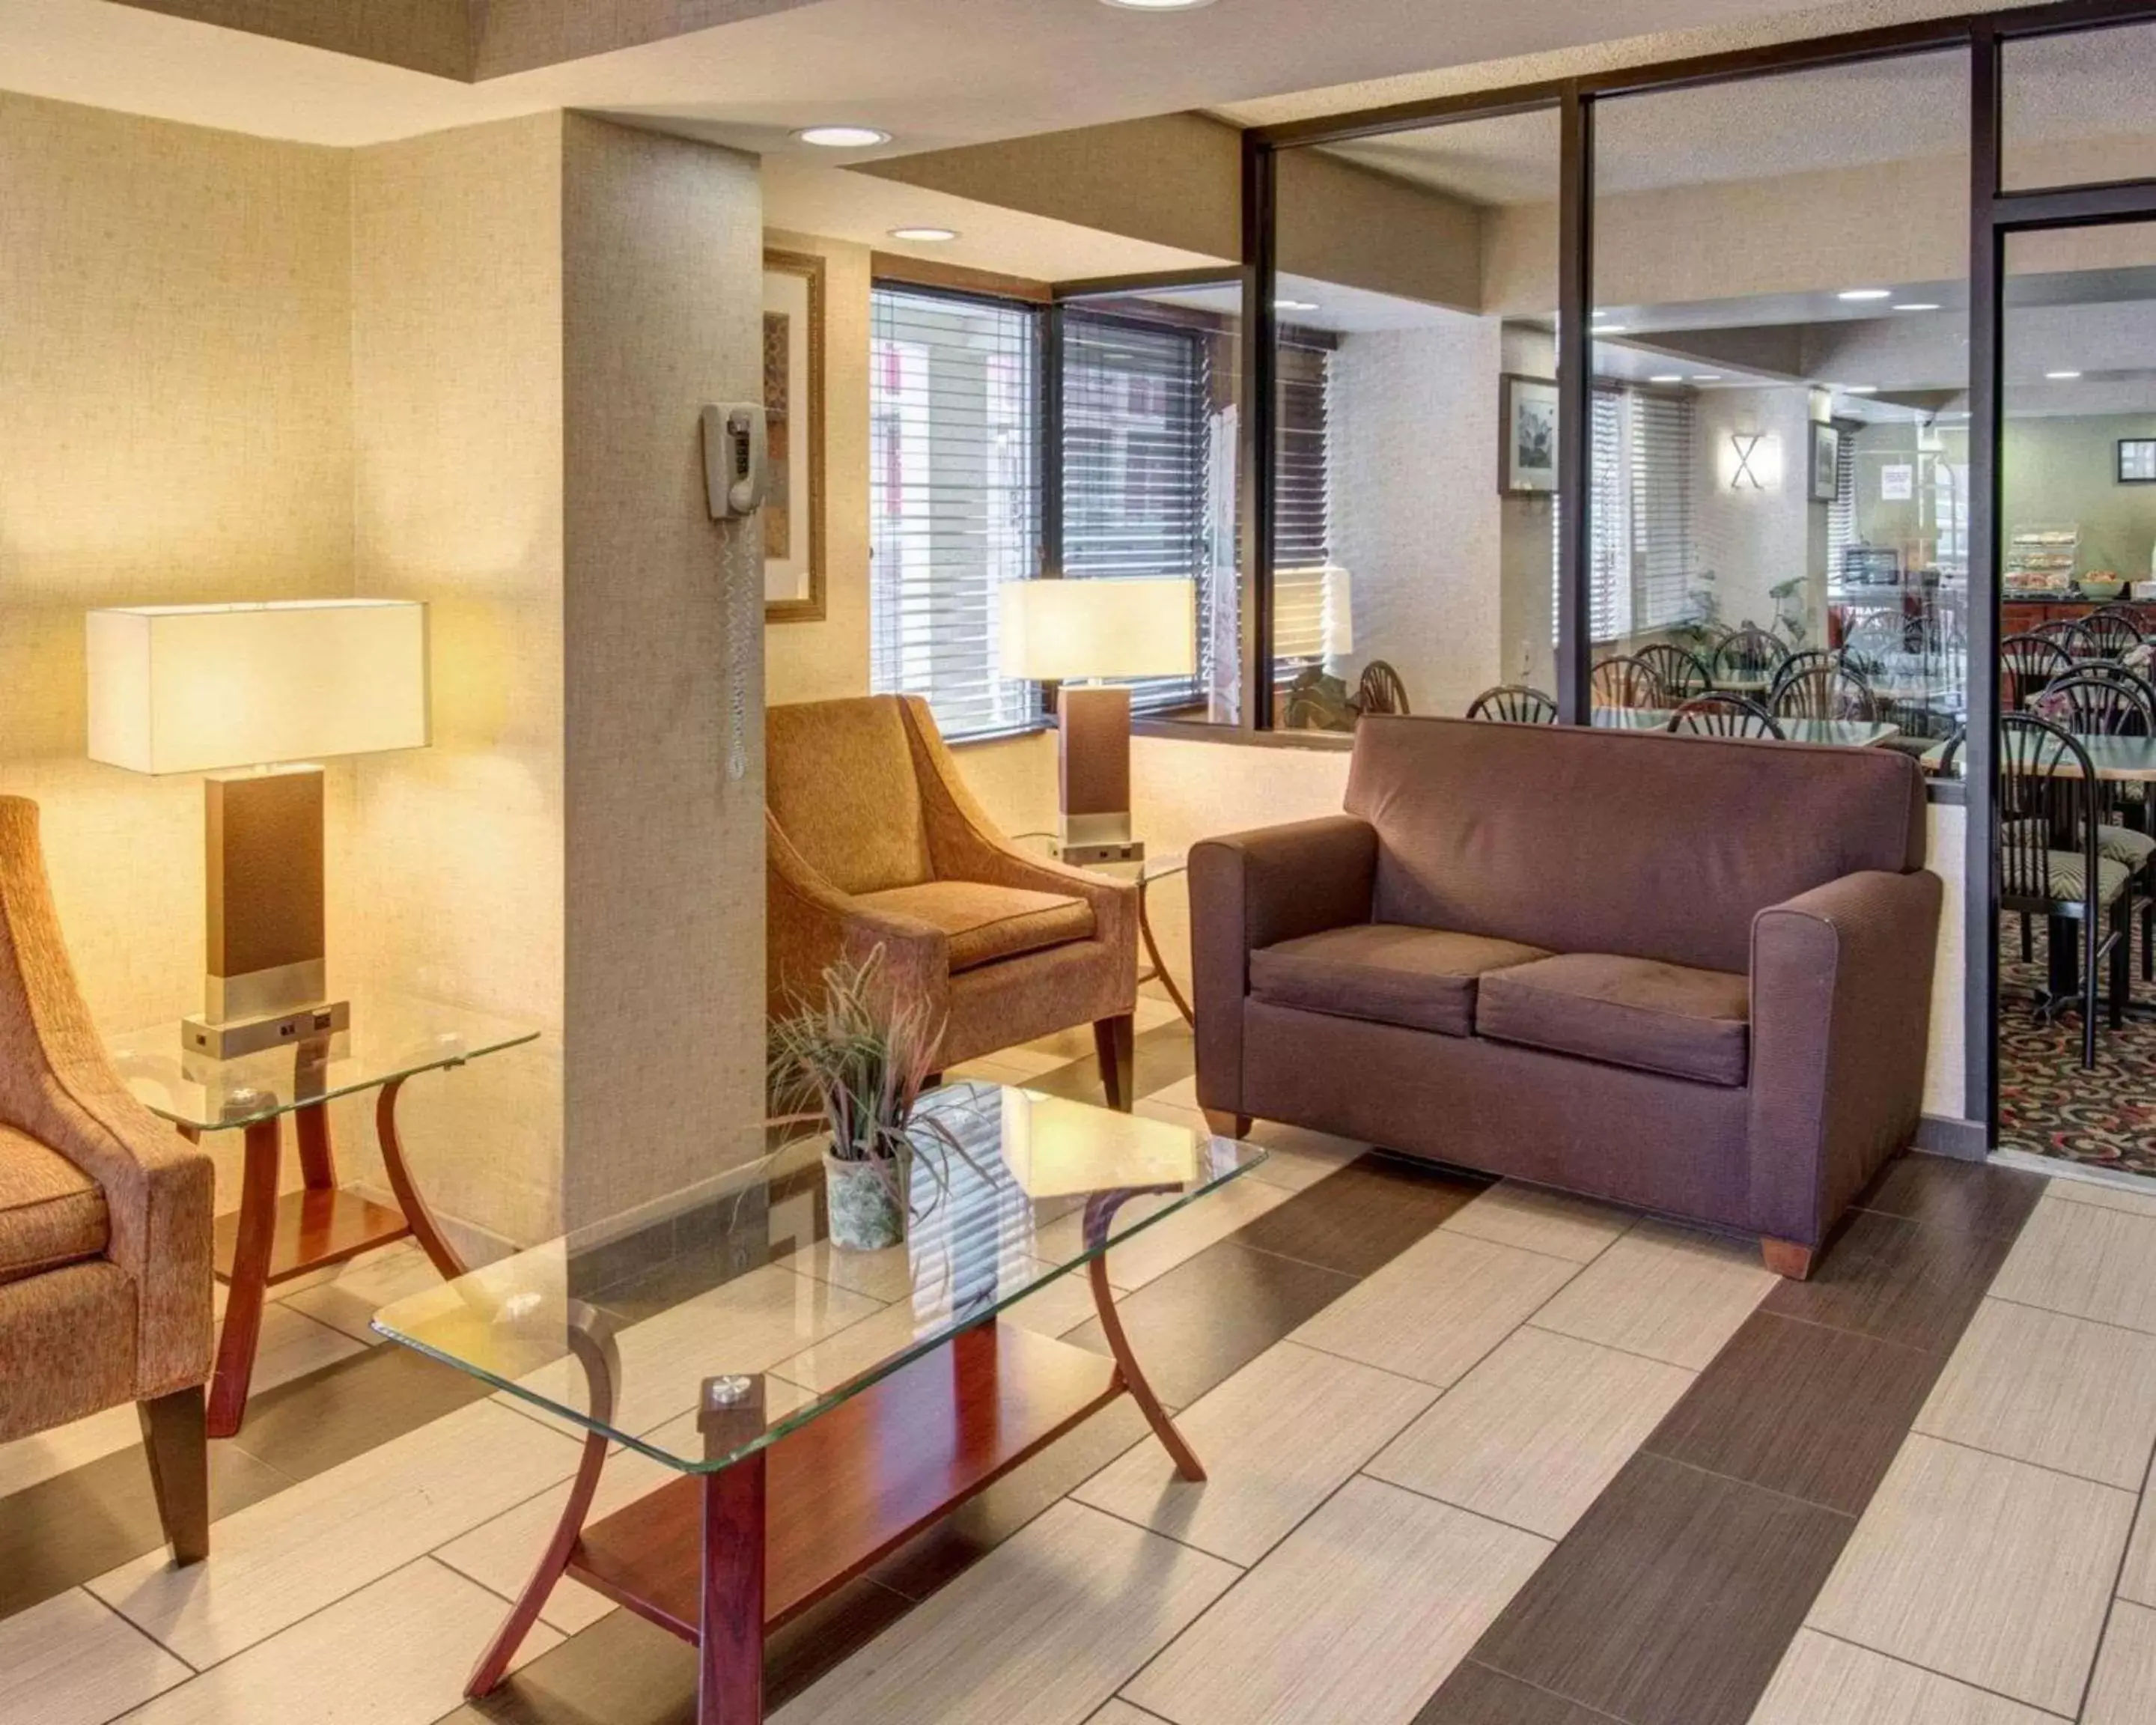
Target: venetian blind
{"points": [[954, 498], [1660, 428]]}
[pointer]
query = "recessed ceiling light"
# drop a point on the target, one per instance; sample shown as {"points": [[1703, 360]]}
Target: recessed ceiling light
{"points": [[2061, 377], [1666, 378], [925, 236], [1860, 389], [842, 137], [1916, 305], [1294, 304], [1608, 329], [1865, 294], [1707, 376], [1157, 5]]}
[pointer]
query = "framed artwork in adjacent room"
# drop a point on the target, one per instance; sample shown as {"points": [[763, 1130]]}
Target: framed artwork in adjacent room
{"points": [[2137, 461], [793, 398], [1527, 430], [1826, 461]]}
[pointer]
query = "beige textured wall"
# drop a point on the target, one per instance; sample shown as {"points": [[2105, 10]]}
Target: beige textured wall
{"points": [[661, 284], [174, 427], [455, 852], [1341, 222], [823, 661]]}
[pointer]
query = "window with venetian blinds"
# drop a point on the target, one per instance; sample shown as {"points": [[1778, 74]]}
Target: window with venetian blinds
{"points": [[1640, 563], [954, 498]]}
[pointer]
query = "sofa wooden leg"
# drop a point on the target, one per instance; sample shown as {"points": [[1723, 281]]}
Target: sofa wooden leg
{"points": [[1115, 1040], [176, 1441], [1224, 1125], [1786, 1258]]}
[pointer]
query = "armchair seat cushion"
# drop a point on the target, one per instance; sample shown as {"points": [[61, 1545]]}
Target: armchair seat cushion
{"points": [[1389, 972], [985, 923], [1629, 1011], [51, 1213]]}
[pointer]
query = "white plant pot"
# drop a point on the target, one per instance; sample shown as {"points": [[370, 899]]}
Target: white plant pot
{"points": [[867, 1210]]}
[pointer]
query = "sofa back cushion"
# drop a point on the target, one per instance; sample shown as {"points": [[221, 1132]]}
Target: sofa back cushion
{"points": [[1611, 841], [839, 782]]}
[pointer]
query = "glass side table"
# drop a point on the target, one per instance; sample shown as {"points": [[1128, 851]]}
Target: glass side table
{"points": [[271, 1239], [1143, 873]]}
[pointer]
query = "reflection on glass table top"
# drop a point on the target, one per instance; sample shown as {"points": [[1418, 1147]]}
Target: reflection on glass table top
{"points": [[392, 1036], [625, 1334]]}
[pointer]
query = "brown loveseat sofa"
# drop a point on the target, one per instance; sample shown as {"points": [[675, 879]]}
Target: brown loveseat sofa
{"points": [[1686, 974]]}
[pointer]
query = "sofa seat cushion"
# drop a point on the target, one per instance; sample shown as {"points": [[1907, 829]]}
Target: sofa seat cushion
{"points": [[1631, 1012], [985, 922], [51, 1213], [1392, 972]]}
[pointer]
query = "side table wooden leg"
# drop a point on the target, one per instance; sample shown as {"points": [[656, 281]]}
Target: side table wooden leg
{"points": [[1160, 964], [729, 1625], [317, 1159], [250, 1280], [1099, 1212], [425, 1229]]}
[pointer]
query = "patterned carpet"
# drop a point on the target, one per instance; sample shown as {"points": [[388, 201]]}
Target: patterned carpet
{"points": [[2047, 1104]]}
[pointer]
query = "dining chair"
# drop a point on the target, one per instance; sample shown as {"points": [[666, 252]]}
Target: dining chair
{"points": [[1514, 704], [2112, 702], [1683, 674], [1381, 689], [2111, 634], [1748, 660], [2026, 663], [1874, 641], [2050, 863], [1721, 714], [1822, 689], [1624, 681], [2068, 632]]}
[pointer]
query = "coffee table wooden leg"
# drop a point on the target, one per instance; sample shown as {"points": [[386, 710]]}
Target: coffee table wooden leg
{"points": [[1100, 1211], [317, 1159], [250, 1280], [432, 1241], [730, 1625]]}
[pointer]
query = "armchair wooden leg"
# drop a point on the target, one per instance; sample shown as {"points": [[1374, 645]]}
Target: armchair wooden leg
{"points": [[176, 1441], [1786, 1258], [1224, 1125], [1115, 1040]]}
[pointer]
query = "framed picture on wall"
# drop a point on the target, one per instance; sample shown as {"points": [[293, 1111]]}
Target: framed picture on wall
{"points": [[1526, 430], [1826, 461], [2137, 461], [793, 401]]}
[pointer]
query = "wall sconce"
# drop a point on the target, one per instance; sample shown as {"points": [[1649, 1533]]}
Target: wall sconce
{"points": [[1752, 461]]}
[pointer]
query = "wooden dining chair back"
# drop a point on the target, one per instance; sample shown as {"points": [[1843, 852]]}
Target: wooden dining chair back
{"points": [[2027, 663], [2111, 633], [1624, 681], [1514, 704], [1723, 714], [1823, 689], [1381, 689], [1748, 659], [1683, 674], [2050, 863]]}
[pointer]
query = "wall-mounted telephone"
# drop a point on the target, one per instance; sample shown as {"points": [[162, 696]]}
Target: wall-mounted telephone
{"points": [[736, 458]]}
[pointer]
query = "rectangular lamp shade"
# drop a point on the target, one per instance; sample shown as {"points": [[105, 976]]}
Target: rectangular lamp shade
{"points": [[1313, 613], [198, 688], [1065, 631]]}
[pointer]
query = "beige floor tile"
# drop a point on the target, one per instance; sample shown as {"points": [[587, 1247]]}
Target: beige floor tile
{"points": [[1358, 1615], [294, 1343], [396, 1652], [1994, 1571], [2124, 1691], [994, 1070], [1532, 1435], [1044, 1629], [1154, 1010], [347, 1297], [2138, 1199], [1161, 1245], [1823, 1681], [1277, 1439], [2086, 1260], [2056, 1390], [1058, 1048], [1667, 1292], [887, 1275], [1437, 1308], [1056, 1308], [2137, 1580], [1297, 1158], [1122, 1712], [1183, 1093], [849, 1352], [70, 1662], [1542, 1221], [279, 1560]]}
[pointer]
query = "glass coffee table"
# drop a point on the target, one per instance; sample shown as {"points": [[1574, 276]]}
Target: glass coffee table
{"points": [[273, 1238], [820, 1405]]}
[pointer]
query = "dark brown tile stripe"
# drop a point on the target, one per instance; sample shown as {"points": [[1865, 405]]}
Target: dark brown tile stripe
{"points": [[1165, 1055], [1673, 1600]]}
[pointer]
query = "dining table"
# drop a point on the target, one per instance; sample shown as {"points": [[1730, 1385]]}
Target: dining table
{"points": [[1838, 733]]}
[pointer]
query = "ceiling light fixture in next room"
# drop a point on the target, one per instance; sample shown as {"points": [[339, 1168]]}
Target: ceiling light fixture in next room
{"points": [[842, 137], [925, 236], [1157, 5]]}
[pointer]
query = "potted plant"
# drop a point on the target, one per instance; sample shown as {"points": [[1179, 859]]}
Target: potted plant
{"points": [[855, 1062]]}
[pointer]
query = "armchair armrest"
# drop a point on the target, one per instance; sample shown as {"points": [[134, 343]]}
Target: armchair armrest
{"points": [[811, 925], [1255, 889], [1841, 999]]}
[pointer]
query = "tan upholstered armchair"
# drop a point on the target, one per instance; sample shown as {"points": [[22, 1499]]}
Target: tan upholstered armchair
{"points": [[105, 1217], [875, 842]]}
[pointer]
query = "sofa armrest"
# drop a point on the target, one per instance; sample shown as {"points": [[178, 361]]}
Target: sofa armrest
{"points": [[810, 924], [1255, 889], [1841, 1003]]}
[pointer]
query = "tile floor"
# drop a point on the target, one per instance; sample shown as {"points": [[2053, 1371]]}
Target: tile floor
{"points": [[1478, 1453]]}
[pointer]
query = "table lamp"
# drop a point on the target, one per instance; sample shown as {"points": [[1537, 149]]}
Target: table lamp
{"points": [[272, 688], [1074, 632]]}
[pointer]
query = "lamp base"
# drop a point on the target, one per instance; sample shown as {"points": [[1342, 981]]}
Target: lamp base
{"points": [[1093, 773], [230, 1038], [266, 977]]}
